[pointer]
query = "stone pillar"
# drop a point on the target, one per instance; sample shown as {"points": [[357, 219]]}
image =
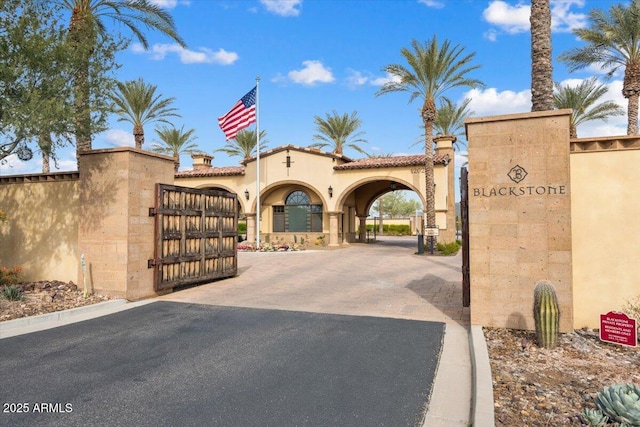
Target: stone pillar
{"points": [[362, 237], [444, 145], [334, 232], [519, 216], [251, 227], [115, 232]]}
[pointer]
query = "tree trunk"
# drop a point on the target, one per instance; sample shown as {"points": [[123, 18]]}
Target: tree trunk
{"points": [[541, 66], [44, 141], [630, 90], [428, 117], [138, 135], [176, 163], [380, 212], [79, 33], [573, 131]]}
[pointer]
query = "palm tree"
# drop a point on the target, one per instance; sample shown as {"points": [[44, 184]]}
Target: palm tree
{"points": [[175, 142], [244, 144], [87, 23], [339, 131], [541, 66], [583, 100], [137, 103], [433, 69], [613, 41], [450, 119]]}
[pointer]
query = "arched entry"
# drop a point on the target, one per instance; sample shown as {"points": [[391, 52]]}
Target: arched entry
{"points": [[298, 214]]}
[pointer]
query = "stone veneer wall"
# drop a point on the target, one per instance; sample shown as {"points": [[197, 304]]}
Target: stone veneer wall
{"points": [[116, 233], [520, 232]]}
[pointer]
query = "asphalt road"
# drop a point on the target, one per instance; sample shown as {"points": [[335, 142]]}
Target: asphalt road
{"points": [[177, 364]]}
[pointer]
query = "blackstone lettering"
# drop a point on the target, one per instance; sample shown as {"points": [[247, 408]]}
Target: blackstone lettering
{"points": [[530, 190]]}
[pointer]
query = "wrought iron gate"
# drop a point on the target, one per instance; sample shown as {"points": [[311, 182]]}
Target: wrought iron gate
{"points": [[464, 217], [196, 234]]}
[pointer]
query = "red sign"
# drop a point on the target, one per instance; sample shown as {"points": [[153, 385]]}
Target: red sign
{"points": [[618, 328]]}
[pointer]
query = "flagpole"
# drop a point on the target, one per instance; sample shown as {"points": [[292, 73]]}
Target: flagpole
{"points": [[258, 162]]}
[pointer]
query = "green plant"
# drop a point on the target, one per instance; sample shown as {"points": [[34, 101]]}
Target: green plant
{"points": [[242, 228], [594, 418], [448, 248], [546, 314], [12, 293], [621, 403], [632, 309], [10, 276]]}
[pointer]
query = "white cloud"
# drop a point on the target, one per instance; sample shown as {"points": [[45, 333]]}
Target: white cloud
{"points": [[312, 73], [169, 4], [490, 102], [514, 19], [119, 138], [355, 79], [382, 80], [202, 56], [432, 3], [491, 35], [283, 7], [563, 20]]}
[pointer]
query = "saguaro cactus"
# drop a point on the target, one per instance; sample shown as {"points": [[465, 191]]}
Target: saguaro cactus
{"points": [[546, 314]]}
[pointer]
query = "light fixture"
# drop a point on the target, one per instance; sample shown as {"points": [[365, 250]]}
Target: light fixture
{"points": [[246, 194], [330, 190], [393, 186]]}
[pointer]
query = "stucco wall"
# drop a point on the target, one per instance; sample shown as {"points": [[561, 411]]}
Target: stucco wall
{"points": [[41, 233], [605, 205]]}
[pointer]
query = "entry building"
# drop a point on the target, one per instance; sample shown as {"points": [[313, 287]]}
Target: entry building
{"points": [[308, 193]]}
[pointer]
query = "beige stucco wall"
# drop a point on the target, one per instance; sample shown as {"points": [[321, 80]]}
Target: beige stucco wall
{"points": [[313, 171], [42, 231], [518, 237], [605, 204]]}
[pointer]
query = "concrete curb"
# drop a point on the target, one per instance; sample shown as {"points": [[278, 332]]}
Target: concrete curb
{"points": [[482, 394], [41, 322]]}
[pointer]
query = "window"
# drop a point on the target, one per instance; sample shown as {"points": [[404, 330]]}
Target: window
{"points": [[297, 215]]}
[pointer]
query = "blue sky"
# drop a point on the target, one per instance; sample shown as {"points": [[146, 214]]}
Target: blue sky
{"points": [[317, 56]]}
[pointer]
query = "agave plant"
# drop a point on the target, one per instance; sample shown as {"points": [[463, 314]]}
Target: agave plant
{"points": [[621, 402], [594, 418]]}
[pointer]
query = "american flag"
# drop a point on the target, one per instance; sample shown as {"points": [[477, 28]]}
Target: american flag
{"points": [[241, 115]]}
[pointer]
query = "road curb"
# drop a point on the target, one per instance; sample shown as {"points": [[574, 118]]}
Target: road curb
{"points": [[40, 322], [482, 393]]}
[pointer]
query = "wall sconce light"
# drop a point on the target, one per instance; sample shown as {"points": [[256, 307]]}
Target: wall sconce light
{"points": [[393, 186], [246, 194], [330, 190]]}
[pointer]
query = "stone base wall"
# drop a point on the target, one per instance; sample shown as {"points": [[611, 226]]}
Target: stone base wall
{"points": [[519, 216], [116, 233]]}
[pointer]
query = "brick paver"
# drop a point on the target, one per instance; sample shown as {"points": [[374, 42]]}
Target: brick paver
{"points": [[382, 279]]}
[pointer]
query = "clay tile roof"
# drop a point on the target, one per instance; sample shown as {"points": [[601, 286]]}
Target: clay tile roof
{"points": [[396, 161], [297, 148], [223, 171]]}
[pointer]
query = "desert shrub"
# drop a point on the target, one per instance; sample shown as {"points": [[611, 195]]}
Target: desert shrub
{"points": [[10, 276], [12, 293], [632, 309], [448, 248]]}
